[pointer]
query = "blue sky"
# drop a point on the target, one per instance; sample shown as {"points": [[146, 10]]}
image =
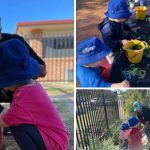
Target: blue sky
{"points": [[13, 11]]}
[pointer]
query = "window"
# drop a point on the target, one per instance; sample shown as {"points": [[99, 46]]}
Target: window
{"points": [[58, 46], [69, 75]]}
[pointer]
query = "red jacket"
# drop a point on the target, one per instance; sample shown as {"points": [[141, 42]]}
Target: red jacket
{"points": [[135, 141]]}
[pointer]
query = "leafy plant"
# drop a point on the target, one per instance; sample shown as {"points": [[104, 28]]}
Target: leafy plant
{"points": [[113, 132], [129, 97], [106, 144], [147, 51], [133, 71], [136, 47]]}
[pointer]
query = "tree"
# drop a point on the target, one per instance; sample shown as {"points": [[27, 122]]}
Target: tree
{"points": [[130, 96]]}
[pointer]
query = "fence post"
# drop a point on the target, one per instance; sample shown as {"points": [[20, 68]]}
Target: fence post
{"points": [[105, 110]]}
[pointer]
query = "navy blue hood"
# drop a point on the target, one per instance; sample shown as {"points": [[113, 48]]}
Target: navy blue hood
{"points": [[103, 23]]}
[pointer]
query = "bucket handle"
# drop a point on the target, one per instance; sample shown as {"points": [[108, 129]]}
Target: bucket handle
{"points": [[146, 45]]}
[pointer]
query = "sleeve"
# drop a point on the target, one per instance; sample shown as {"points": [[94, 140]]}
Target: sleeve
{"points": [[98, 81], [31, 51], [126, 27], [141, 118], [107, 34]]}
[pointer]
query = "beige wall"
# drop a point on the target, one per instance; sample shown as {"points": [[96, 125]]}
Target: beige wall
{"points": [[56, 67]]}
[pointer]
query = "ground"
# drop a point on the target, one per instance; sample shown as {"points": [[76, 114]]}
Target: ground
{"points": [[62, 96], [89, 14]]}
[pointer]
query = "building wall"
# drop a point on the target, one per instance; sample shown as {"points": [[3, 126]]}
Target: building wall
{"points": [[58, 68]]}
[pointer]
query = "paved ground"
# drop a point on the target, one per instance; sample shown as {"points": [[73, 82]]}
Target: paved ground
{"points": [[89, 14]]}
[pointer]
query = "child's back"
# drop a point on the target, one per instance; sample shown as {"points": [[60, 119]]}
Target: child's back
{"points": [[31, 105], [112, 33], [32, 118], [135, 140], [112, 27], [135, 137]]}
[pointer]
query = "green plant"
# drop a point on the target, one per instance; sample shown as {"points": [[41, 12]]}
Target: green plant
{"points": [[113, 132], [147, 51], [106, 144], [129, 97], [109, 145], [136, 47], [133, 70]]}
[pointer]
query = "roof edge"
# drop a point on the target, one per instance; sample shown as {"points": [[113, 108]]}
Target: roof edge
{"points": [[46, 22]]}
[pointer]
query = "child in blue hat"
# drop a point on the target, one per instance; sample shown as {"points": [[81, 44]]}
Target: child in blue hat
{"points": [[135, 137], [124, 134], [32, 117], [113, 26], [90, 54]]}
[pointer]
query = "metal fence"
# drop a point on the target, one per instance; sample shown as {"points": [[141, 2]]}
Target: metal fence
{"points": [[95, 111], [57, 50]]}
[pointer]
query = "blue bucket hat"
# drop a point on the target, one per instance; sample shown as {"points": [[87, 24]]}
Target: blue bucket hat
{"points": [[118, 9], [133, 121], [137, 106], [124, 126], [91, 50], [16, 65]]}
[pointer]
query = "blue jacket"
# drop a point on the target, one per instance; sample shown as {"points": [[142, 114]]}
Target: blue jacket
{"points": [[112, 33], [90, 77]]}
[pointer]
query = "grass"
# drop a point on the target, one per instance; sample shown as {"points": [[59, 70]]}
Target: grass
{"points": [[68, 119], [58, 88]]}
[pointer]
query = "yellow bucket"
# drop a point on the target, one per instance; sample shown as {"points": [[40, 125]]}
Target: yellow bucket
{"points": [[140, 12], [135, 56]]}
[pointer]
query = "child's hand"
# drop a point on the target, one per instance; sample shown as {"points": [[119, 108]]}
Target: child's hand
{"points": [[124, 83], [124, 42], [42, 71], [135, 29]]}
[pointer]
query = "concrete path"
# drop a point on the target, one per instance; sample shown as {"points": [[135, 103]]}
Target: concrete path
{"points": [[68, 99]]}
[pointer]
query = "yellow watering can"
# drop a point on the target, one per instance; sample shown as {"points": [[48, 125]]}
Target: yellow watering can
{"points": [[135, 56]]}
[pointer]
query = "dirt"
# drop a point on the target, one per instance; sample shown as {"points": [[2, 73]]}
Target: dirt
{"points": [[89, 14]]}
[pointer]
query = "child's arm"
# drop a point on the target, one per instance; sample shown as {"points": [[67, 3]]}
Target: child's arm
{"points": [[124, 41], [126, 27], [145, 126], [124, 83], [108, 37]]}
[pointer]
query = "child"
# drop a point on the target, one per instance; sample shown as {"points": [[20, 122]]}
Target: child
{"points": [[135, 137], [32, 118], [124, 134], [112, 27], [91, 53]]}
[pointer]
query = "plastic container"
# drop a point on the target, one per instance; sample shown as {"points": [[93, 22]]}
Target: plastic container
{"points": [[140, 12], [135, 56]]}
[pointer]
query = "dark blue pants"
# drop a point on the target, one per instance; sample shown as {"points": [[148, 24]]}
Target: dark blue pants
{"points": [[28, 137]]}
